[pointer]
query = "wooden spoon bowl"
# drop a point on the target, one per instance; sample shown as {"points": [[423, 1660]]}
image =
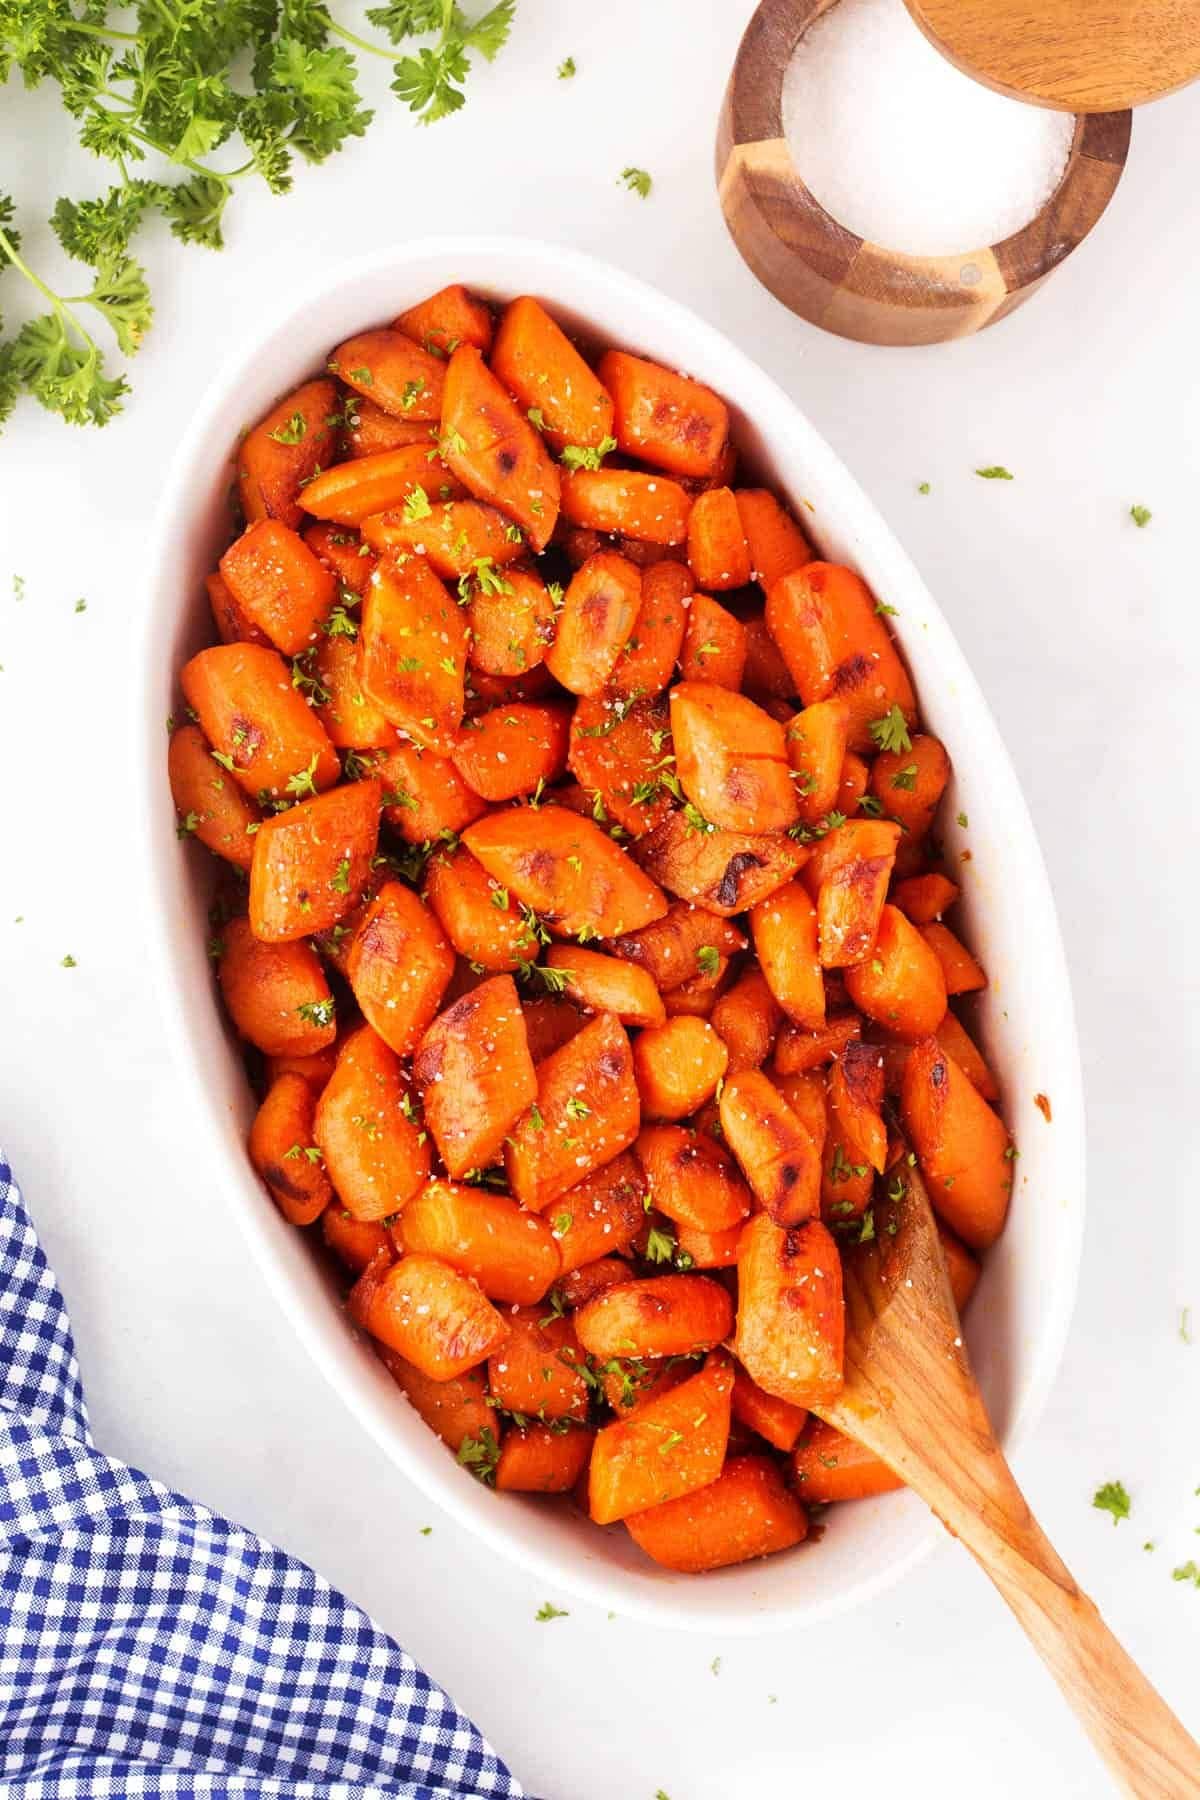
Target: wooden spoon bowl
{"points": [[834, 278]]}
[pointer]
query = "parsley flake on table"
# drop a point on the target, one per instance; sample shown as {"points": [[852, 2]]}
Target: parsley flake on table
{"points": [[1185, 1328], [81, 606], [566, 68], [922, 487], [1141, 516], [638, 181], [995, 472], [68, 962], [18, 587], [545, 1612], [426, 1530], [1188, 1571], [1112, 1498]]}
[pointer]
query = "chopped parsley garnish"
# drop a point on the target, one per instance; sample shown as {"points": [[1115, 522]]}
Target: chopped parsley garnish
{"points": [[660, 1245], [187, 825], [587, 456], [480, 1455], [339, 881], [963, 820], [995, 472], [906, 778], [416, 504], [708, 959], [1188, 1571], [1112, 1498], [566, 68], [302, 782], [1141, 516], [412, 393], [638, 181], [292, 432], [317, 1012], [546, 1611], [68, 962], [891, 731], [922, 487]]}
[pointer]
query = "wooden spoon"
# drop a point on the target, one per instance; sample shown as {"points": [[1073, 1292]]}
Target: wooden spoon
{"points": [[910, 1396]]}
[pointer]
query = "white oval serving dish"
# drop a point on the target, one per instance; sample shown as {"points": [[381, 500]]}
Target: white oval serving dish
{"points": [[1019, 1317]]}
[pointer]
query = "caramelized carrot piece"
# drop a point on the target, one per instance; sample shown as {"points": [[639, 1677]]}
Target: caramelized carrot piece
{"points": [[352, 493], [311, 864], [278, 583], [731, 759], [579, 1285], [806, 1095], [798, 1049], [414, 653], [511, 1253], [725, 872], [828, 1466], [210, 807], [424, 796], [619, 752], [647, 661], [512, 623], [539, 1460], [368, 430], [341, 549], [599, 1218], [435, 1317], [765, 675], [647, 508], [848, 877], [283, 1152], [677, 1067], [316, 1068], [386, 367], [777, 544], [679, 945], [297, 437], [790, 1322], [746, 1018], [399, 964], [540, 365], [823, 618], [595, 622], [536, 1372], [909, 783], [816, 748], [673, 1446], [774, 1149], [962, 1268], [476, 1078], [717, 552], [585, 1114], [776, 1420], [492, 448], [476, 912], [714, 645], [963, 975], [709, 1249], [784, 927], [329, 675], [924, 898], [662, 417], [505, 753], [374, 1152], [697, 997], [605, 984], [566, 868], [852, 784], [456, 1409], [855, 1105], [276, 994], [258, 724], [665, 1315], [458, 538], [353, 1241], [901, 984], [956, 1041], [234, 625], [691, 1179], [746, 1512], [961, 1145], [451, 317]]}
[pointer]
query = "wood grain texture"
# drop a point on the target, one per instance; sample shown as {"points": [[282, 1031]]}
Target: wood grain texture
{"points": [[911, 1397], [1082, 56], [834, 278]]}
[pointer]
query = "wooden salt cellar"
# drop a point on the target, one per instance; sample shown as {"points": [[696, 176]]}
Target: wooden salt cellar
{"points": [[835, 278]]}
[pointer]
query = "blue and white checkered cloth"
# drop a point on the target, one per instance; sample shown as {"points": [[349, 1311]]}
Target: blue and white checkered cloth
{"points": [[148, 1647]]}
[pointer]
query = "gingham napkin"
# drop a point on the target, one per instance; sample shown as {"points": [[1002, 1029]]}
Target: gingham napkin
{"points": [[148, 1647]]}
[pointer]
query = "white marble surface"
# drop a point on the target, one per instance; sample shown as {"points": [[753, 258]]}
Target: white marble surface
{"points": [[1084, 634]]}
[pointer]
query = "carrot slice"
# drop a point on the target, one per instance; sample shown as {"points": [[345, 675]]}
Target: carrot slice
{"points": [[329, 674], [210, 807], [341, 549], [476, 1077], [451, 317], [491, 446], [387, 368], [399, 964], [276, 994], [901, 983], [963, 975], [258, 724], [414, 653], [566, 868], [234, 625], [664, 1315], [954, 1038], [368, 430], [479, 916], [790, 1323], [731, 759], [508, 752], [848, 877], [512, 622], [717, 551], [458, 537], [404, 478], [691, 1179], [961, 1144], [595, 622], [375, 1154], [541, 1460], [924, 898], [511, 1253], [279, 583], [311, 864], [539, 364], [283, 1153], [784, 927], [678, 1066], [776, 1420], [798, 1049], [855, 1105], [714, 644], [909, 783], [434, 1316], [709, 1249], [647, 661], [725, 872], [621, 754], [673, 1446], [828, 1466], [648, 508], [662, 417], [816, 748], [607, 984], [456, 1409], [599, 1216], [316, 1069], [585, 1114], [424, 796], [824, 619], [746, 1018], [679, 945], [774, 1149], [777, 544], [765, 676], [296, 438], [537, 1372], [353, 1241], [746, 1512]]}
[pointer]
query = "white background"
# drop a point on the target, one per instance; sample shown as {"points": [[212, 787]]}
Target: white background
{"points": [[1083, 631]]}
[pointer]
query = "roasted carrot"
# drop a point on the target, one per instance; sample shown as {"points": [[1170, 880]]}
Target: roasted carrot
{"points": [[600, 1217], [511, 619], [848, 877], [475, 1076], [279, 583], [577, 1286], [329, 674], [606, 984], [714, 644], [855, 1105], [828, 1466], [234, 625], [909, 783], [463, 540], [798, 1049], [673, 1446], [924, 898], [368, 430], [852, 785], [257, 723], [708, 1249], [697, 997], [550, 1022], [790, 1321], [664, 1315], [962, 1146], [901, 983], [648, 508], [585, 1114], [510, 751], [765, 675], [387, 368], [824, 619], [537, 1370], [806, 1095], [725, 872], [595, 622], [456, 1409], [311, 863], [375, 1154], [435, 1317], [566, 869], [510, 1252], [784, 926], [962, 1268], [211, 807], [540, 366], [647, 661], [297, 437], [283, 1152], [620, 752], [746, 1018], [451, 317], [494, 450], [341, 548], [316, 1068], [778, 1421], [399, 964], [424, 796], [690, 1178], [276, 994], [681, 944], [538, 1459], [957, 1042], [414, 653], [717, 552], [963, 974], [479, 916], [731, 759], [746, 1512], [353, 1241], [662, 417], [774, 1149], [777, 544], [677, 1066], [816, 747], [391, 485]]}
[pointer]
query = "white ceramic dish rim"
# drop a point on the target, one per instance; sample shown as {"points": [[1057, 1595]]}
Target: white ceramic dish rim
{"points": [[849, 527]]}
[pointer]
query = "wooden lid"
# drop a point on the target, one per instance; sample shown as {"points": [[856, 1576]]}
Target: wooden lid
{"points": [[1081, 56]]}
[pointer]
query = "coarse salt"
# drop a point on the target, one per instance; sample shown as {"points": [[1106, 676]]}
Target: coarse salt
{"points": [[899, 146]]}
